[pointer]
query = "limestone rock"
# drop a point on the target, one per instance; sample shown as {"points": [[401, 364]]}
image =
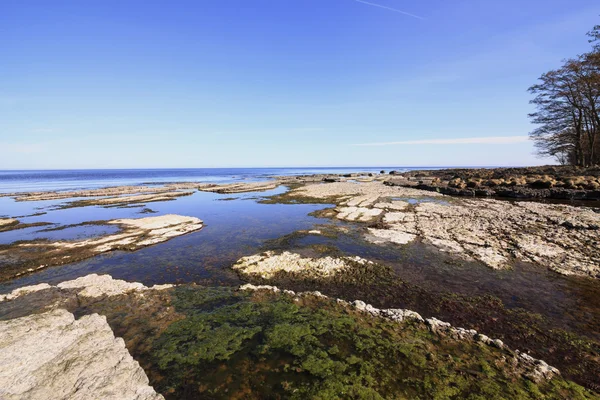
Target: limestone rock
{"points": [[362, 214], [267, 264], [54, 356], [7, 221], [388, 235], [497, 232], [24, 290], [92, 285]]}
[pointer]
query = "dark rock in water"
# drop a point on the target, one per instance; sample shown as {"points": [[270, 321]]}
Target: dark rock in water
{"points": [[382, 172], [484, 192], [394, 172], [330, 180], [542, 184]]}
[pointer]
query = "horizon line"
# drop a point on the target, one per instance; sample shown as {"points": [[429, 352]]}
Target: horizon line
{"points": [[279, 167]]}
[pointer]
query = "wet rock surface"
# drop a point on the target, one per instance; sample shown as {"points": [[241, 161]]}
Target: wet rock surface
{"points": [[10, 224], [122, 201]]}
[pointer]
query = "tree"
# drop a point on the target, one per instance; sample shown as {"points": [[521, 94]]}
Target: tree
{"points": [[594, 34], [567, 104]]}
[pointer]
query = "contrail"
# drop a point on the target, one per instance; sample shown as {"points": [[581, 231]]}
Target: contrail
{"points": [[390, 9]]}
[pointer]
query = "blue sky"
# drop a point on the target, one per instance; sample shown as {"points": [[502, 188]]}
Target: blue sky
{"points": [[247, 83]]}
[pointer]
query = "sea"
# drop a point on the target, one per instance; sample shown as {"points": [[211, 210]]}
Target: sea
{"points": [[12, 181]]}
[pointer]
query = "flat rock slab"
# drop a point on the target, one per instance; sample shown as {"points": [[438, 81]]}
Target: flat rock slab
{"points": [[135, 234], [562, 238], [7, 221], [102, 192], [369, 191], [241, 187], [53, 356], [267, 264]]}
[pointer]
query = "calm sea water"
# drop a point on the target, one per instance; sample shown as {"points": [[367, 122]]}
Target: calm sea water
{"points": [[24, 181]]}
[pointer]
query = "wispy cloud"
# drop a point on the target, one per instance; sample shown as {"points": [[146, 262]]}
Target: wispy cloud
{"points": [[475, 140], [389, 9]]}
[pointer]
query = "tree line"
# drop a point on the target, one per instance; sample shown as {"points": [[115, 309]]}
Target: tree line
{"points": [[567, 102]]}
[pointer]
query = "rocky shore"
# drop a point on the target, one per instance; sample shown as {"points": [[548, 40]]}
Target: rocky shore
{"points": [[195, 341], [551, 182], [296, 324], [21, 258], [48, 353], [496, 233]]}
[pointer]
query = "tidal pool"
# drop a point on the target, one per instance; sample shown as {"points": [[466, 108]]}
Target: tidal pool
{"points": [[232, 229]]}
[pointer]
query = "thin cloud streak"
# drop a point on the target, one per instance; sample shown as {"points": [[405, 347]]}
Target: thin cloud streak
{"points": [[389, 9], [479, 140]]}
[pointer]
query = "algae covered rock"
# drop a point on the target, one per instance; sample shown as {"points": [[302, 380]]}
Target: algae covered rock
{"points": [[264, 343]]}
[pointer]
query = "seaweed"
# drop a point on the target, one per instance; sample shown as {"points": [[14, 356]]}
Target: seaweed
{"points": [[266, 345]]}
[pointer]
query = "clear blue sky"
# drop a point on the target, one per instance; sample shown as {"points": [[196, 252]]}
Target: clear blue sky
{"points": [[135, 84]]}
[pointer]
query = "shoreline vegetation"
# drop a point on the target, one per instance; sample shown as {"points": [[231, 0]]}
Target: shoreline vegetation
{"points": [[313, 320]]}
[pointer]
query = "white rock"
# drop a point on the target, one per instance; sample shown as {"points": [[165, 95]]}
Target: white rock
{"points": [[267, 264], [7, 221], [53, 356], [436, 325], [359, 305], [24, 290], [101, 285], [388, 235], [249, 286], [483, 338], [92, 285], [362, 214]]}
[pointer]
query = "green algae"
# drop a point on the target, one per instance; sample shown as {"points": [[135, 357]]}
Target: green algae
{"points": [[263, 345], [575, 355]]}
